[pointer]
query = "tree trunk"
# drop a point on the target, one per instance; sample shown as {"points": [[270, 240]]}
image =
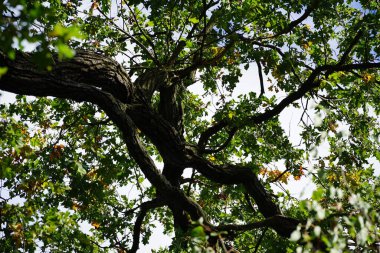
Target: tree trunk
{"points": [[100, 80]]}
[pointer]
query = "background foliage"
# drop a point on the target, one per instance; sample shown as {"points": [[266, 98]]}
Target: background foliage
{"points": [[64, 163]]}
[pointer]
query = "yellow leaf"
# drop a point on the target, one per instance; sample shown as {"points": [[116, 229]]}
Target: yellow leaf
{"points": [[307, 45], [216, 50], [75, 206], [263, 171], [333, 126], [368, 78], [16, 227], [92, 174], [95, 224], [212, 158]]}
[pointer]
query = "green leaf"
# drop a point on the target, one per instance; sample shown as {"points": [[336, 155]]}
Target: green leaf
{"points": [[3, 71], [318, 194], [198, 232], [79, 168], [6, 173], [64, 51], [194, 20], [58, 30], [12, 55], [66, 33]]}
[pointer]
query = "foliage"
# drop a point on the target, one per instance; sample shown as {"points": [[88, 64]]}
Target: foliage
{"points": [[79, 155]]}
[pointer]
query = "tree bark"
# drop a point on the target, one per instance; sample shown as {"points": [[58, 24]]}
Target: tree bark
{"points": [[100, 80]]}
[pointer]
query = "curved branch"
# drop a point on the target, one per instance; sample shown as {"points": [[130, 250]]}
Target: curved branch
{"points": [[236, 174], [260, 240], [278, 50], [231, 134], [83, 78], [133, 38], [313, 6], [145, 207], [206, 135], [260, 70], [306, 87], [282, 224], [92, 77], [347, 52]]}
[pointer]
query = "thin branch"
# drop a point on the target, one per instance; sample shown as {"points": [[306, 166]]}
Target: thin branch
{"points": [[346, 53], [260, 70], [180, 45], [272, 222], [95, 78], [260, 240], [200, 49], [208, 133], [129, 36], [307, 86], [313, 6], [250, 204], [278, 50], [279, 176], [141, 30], [231, 134], [99, 123], [206, 62], [190, 182]]}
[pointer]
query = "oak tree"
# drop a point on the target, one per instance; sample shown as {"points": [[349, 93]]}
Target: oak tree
{"points": [[116, 136]]}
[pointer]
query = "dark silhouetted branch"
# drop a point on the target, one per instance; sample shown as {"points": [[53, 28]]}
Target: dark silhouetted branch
{"points": [[144, 208]]}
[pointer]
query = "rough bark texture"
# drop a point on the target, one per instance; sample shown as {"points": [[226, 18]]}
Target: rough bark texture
{"points": [[100, 80], [94, 78]]}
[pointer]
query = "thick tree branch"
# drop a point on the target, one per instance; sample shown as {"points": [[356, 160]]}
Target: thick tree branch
{"points": [[180, 154], [172, 195], [235, 174], [144, 208], [170, 105], [282, 224], [83, 78], [23, 78], [162, 134]]}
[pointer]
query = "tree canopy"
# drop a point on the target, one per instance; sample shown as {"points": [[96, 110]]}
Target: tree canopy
{"points": [[117, 137]]}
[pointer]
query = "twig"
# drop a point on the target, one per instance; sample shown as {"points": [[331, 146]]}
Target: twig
{"points": [[260, 70], [260, 240]]}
